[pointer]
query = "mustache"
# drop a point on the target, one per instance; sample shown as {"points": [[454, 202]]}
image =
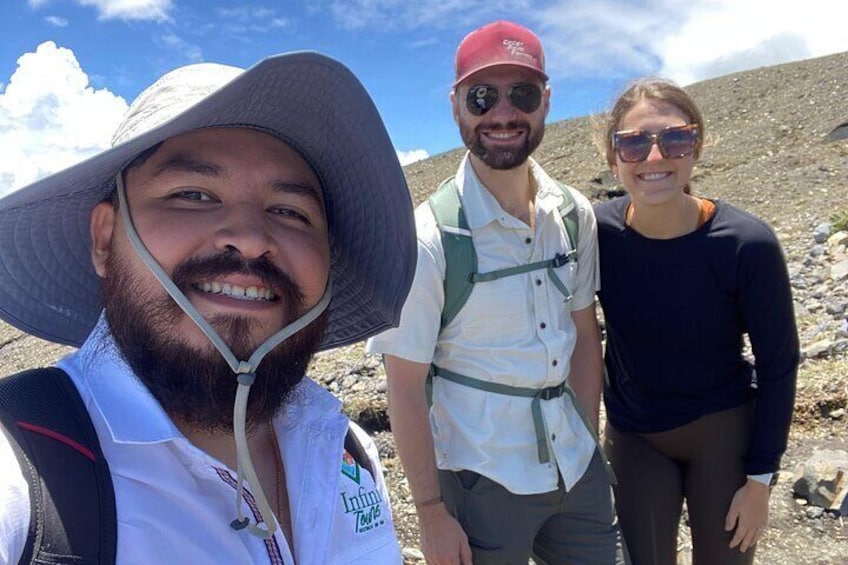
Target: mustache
{"points": [[198, 269], [497, 126]]}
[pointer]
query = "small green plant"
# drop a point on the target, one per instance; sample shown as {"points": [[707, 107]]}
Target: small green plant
{"points": [[839, 220]]}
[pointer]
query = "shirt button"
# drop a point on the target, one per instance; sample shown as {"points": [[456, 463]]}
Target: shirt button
{"points": [[538, 282], [554, 363], [553, 437], [543, 325], [528, 240]]}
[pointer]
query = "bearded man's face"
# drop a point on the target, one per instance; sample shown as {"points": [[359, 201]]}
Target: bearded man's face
{"points": [[504, 137], [236, 218]]}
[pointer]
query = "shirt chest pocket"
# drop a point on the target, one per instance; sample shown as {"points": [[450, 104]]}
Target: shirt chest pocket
{"points": [[506, 310], [564, 284], [500, 312]]}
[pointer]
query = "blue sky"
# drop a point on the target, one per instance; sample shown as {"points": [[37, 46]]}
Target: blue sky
{"points": [[69, 68]]}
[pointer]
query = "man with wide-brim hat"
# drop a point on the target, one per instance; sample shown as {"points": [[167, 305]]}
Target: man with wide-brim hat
{"points": [[241, 221]]}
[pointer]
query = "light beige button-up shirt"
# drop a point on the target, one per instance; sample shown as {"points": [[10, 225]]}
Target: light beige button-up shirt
{"points": [[516, 331]]}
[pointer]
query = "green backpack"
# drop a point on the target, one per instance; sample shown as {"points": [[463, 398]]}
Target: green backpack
{"points": [[460, 277], [461, 258]]}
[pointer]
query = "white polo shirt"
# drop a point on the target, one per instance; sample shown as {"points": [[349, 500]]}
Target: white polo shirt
{"points": [[175, 503], [515, 330]]}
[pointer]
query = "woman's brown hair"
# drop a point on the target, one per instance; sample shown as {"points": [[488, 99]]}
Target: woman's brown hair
{"points": [[652, 90]]}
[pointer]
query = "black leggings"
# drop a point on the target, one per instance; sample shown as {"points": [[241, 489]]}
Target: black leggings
{"points": [[702, 462]]}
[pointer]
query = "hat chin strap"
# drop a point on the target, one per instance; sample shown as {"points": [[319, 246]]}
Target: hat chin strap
{"points": [[245, 370]]}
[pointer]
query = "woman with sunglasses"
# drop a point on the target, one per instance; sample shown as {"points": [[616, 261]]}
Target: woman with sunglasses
{"points": [[683, 280]]}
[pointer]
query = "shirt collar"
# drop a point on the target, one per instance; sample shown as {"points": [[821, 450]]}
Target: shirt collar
{"points": [[481, 207], [133, 415], [547, 191]]}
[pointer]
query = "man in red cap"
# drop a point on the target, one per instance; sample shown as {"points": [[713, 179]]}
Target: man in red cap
{"points": [[494, 375]]}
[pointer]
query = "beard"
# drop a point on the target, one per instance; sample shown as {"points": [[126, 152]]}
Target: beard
{"points": [[502, 158], [196, 385]]}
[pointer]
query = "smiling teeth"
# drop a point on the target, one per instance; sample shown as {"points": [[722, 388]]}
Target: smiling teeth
{"points": [[653, 176], [235, 291]]}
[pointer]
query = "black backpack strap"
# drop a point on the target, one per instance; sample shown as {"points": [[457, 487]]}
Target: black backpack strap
{"points": [[72, 500]]}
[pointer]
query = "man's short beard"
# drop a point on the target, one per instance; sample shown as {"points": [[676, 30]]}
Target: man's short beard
{"points": [[503, 159], [196, 386]]}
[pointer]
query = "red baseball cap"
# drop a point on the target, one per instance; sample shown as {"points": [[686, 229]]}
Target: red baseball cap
{"points": [[499, 43]]}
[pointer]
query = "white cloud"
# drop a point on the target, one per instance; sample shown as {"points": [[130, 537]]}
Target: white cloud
{"points": [[422, 14], [155, 10], [175, 43], [683, 40], [251, 19], [51, 118], [732, 35], [56, 21], [603, 38], [407, 157], [618, 39]]}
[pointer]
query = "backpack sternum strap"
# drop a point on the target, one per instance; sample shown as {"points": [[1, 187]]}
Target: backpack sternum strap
{"points": [[549, 265], [461, 258], [537, 394]]}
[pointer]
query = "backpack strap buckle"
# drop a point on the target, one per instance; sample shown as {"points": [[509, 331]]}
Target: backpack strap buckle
{"points": [[551, 392], [559, 260]]}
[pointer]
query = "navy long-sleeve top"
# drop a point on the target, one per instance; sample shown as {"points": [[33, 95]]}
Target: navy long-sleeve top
{"points": [[676, 311]]}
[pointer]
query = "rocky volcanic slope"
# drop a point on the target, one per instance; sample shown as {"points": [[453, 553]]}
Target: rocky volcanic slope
{"points": [[769, 154]]}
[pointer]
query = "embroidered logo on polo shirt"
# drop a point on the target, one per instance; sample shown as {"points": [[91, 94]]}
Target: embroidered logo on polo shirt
{"points": [[350, 468], [365, 507]]}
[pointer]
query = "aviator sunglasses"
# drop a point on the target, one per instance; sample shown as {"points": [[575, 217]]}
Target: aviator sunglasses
{"points": [[524, 96], [674, 142]]}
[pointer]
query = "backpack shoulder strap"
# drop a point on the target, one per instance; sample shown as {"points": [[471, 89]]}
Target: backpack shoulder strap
{"points": [[73, 517], [568, 212], [460, 256]]}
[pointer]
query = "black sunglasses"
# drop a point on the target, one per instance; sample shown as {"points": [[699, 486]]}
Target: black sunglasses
{"points": [[675, 142], [525, 96]]}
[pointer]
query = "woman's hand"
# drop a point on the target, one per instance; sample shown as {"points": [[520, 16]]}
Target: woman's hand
{"points": [[748, 513]]}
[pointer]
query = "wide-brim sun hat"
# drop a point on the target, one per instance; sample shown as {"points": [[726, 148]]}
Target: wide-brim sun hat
{"points": [[48, 286]]}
